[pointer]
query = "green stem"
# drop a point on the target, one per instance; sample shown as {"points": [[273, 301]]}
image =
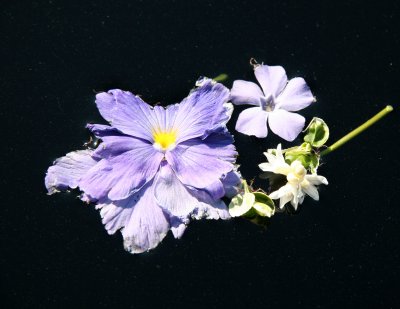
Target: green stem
{"points": [[358, 130]]}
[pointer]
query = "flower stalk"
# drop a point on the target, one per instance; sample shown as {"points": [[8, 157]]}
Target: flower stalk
{"points": [[358, 130]]}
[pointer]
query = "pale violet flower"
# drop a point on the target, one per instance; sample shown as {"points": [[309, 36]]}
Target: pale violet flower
{"points": [[299, 183], [156, 168], [274, 104]]}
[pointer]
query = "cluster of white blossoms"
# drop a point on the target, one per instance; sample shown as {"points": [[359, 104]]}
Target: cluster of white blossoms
{"points": [[299, 182]]}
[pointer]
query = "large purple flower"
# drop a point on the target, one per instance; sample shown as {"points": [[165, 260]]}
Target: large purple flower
{"points": [[274, 103], [156, 167]]}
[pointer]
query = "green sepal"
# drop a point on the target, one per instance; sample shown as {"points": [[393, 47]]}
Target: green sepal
{"points": [[249, 204], [305, 154], [317, 132], [263, 205]]}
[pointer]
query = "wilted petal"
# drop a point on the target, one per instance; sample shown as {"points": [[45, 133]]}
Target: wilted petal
{"points": [[178, 227], [67, 171], [199, 163], [285, 124], [244, 92], [127, 112], [147, 224], [203, 111], [253, 121], [296, 96], [116, 214], [231, 183], [271, 78], [171, 194], [209, 208]]}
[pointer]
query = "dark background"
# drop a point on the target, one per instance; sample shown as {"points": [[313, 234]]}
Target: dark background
{"points": [[342, 251]]}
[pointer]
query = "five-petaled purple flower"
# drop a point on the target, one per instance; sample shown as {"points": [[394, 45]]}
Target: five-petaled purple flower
{"points": [[156, 167], [274, 103]]}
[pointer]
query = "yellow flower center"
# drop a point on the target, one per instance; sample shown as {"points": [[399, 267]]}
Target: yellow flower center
{"points": [[164, 140]]}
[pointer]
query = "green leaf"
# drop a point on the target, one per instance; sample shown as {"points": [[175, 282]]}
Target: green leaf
{"points": [[317, 132], [221, 77]]}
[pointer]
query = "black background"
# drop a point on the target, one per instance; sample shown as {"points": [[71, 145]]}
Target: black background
{"points": [[339, 252]]}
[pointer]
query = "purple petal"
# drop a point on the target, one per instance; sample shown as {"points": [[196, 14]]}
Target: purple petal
{"points": [[203, 111], [285, 124], [127, 112], [216, 189], [296, 96], [199, 163], [101, 130], [67, 171], [271, 78], [231, 183], [114, 145], [143, 223], [171, 194], [244, 92], [124, 174], [253, 121]]}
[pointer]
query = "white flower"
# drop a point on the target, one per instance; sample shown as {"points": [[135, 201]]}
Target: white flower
{"points": [[299, 183]]}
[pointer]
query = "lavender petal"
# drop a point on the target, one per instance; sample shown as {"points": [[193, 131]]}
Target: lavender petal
{"points": [[124, 174], [296, 96], [244, 92], [253, 121], [271, 78], [143, 223], [285, 124], [199, 163], [171, 194], [127, 112], [202, 112]]}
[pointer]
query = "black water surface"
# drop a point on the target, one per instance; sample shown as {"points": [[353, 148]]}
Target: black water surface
{"points": [[339, 252]]}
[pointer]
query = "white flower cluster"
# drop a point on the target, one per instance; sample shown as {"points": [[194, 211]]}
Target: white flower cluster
{"points": [[299, 183]]}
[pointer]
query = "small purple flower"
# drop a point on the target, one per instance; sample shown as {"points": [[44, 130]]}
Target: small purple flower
{"points": [[274, 103], [156, 167]]}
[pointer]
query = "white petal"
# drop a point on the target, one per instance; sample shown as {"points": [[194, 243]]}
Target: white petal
{"points": [[316, 179], [284, 194], [253, 121], [244, 92], [296, 95], [285, 124], [271, 78], [310, 190]]}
